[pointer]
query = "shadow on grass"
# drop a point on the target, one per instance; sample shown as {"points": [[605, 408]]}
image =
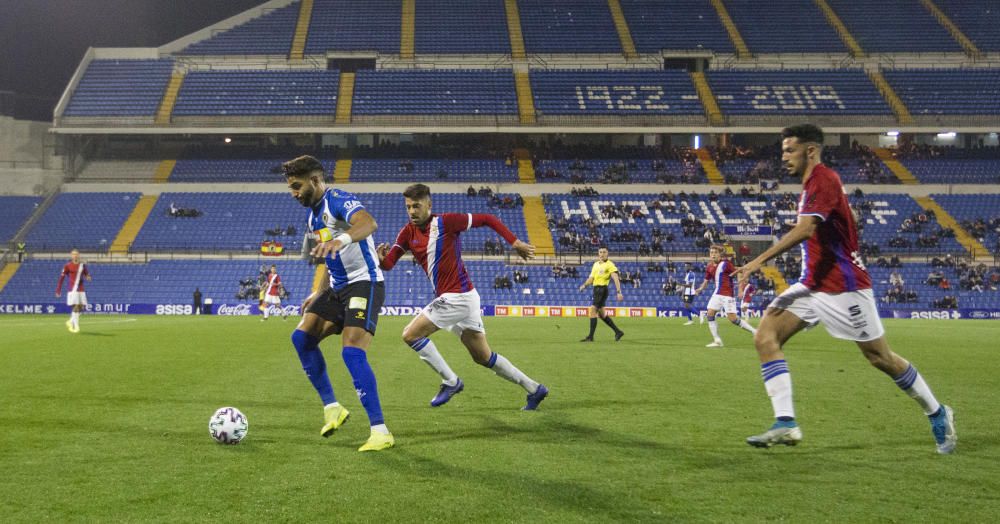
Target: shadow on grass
{"points": [[545, 495]]}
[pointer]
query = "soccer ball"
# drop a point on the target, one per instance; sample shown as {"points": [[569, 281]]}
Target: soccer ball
{"points": [[228, 425]]}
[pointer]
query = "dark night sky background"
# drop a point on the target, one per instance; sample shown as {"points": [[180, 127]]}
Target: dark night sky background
{"points": [[43, 41]]}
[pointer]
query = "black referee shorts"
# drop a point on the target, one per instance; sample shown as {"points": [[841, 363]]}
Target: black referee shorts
{"points": [[355, 305], [600, 296]]}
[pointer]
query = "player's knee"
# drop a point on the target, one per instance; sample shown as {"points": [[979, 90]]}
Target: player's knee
{"points": [[765, 339]]}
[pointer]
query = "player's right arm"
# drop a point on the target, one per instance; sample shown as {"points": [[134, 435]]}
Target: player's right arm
{"points": [[59, 285], [803, 229], [389, 255]]}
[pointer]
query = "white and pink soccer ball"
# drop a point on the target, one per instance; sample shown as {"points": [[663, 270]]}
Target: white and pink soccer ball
{"points": [[228, 425]]}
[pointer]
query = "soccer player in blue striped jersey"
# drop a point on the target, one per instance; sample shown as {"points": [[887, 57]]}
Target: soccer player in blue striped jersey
{"points": [[690, 281], [348, 303]]}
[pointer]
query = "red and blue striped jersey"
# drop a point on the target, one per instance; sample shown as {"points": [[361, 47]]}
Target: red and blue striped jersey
{"points": [[722, 275], [831, 262], [437, 248]]}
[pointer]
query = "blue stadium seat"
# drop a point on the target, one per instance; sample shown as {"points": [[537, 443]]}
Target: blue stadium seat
{"points": [[679, 25], [268, 34], [568, 26], [120, 88], [846, 92], [472, 26], [14, 212], [445, 92], [85, 221], [785, 26], [237, 93], [978, 20], [609, 92], [947, 91], [894, 26], [349, 25]]}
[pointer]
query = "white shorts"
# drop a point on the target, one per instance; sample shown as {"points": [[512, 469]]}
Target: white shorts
{"points": [[456, 312], [76, 298], [851, 315], [722, 303], [272, 299]]}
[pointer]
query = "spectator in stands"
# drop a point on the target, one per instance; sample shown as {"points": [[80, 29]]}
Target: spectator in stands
{"points": [[894, 261], [471, 192], [895, 279], [946, 302]]}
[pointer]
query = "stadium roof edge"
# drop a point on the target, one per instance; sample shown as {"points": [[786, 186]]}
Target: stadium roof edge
{"points": [[69, 130]]}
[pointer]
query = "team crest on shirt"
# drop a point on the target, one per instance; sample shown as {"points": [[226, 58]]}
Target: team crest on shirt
{"points": [[350, 205], [326, 218]]}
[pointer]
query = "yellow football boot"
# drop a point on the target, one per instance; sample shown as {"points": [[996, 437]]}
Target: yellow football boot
{"points": [[335, 417], [378, 441]]}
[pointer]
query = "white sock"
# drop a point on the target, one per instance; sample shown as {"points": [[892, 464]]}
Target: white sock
{"points": [[381, 428], [778, 384], [714, 328], [746, 325], [912, 383], [428, 352], [74, 317], [502, 367], [266, 310]]}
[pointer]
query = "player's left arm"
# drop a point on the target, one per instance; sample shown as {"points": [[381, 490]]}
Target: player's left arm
{"points": [[363, 225], [803, 229], [86, 272], [618, 284], [523, 249]]}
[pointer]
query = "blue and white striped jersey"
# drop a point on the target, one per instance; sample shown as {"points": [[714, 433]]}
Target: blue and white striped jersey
{"points": [[358, 262]]}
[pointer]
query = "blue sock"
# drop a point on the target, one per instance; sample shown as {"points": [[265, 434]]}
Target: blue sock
{"points": [[364, 383], [313, 364], [688, 311]]}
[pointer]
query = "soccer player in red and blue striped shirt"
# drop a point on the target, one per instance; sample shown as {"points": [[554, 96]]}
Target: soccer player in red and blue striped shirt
{"points": [[434, 241], [834, 290]]}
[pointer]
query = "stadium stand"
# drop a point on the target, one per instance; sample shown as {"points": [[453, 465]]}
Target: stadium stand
{"points": [[747, 96], [894, 26], [14, 212], [447, 27], [269, 34], [971, 286], [258, 93], [405, 170], [786, 26], [678, 25], [568, 26], [228, 222], [159, 281], [85, 221], [349, 25], [895, 223], [120, 88], [947, 171], [978, 20], [232, 170], [118, 170], [468, 93], [619, 93], [937, 92], [979, 215]]}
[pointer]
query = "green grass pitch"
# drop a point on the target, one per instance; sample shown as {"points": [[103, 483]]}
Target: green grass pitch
{"points": [[111, 425]]}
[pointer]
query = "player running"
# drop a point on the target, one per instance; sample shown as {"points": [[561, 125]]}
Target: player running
{"points": [[434, 241], [348, 303], [720, 273], [834, 289], [272, 295], [690, 279], [746, 298], [76, 297], [601, 273]]}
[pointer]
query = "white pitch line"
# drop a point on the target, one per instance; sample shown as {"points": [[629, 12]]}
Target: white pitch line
{"points": [[85, 323]]}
